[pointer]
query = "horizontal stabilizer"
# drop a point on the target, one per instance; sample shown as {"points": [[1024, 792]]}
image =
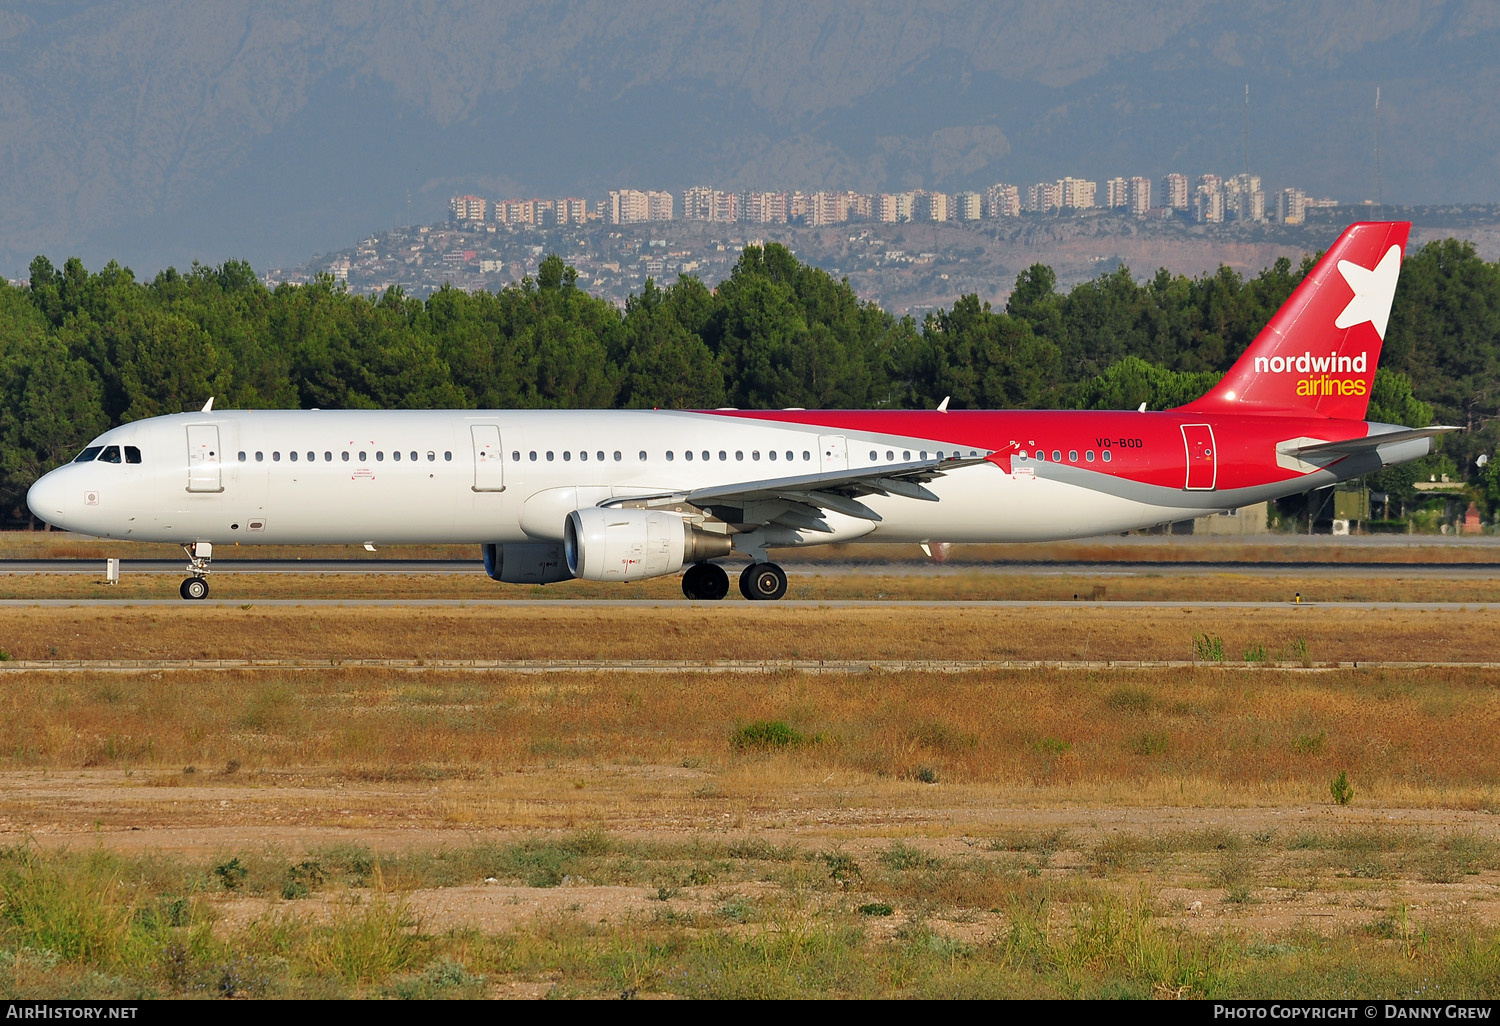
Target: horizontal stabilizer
{"points": [[1367, 444]]}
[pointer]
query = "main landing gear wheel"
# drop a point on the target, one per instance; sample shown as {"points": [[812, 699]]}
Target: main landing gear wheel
{"points": [[763, 582], [194, 588], [706, 581]]}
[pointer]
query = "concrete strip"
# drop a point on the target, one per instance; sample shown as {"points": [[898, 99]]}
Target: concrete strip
{"points": [[815, 666]]}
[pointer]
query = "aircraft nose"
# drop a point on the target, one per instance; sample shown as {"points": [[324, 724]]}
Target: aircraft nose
{"points": [[45, 498]]}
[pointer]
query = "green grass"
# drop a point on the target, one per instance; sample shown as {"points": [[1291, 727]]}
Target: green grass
{"points": [[91, 924]]}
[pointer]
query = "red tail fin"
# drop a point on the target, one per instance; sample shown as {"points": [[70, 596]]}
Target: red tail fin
{"points": [[1318, 354]]}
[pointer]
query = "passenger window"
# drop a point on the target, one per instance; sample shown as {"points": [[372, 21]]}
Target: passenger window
{"points": [[1021, 455], [723, 456], [1072, 455], [567, 456], [806, 456], [88, 455], [669, 456], [890, 455], [1041, 456], [643, 455], [1089, 455], [771, 455], [432, 456], [739, 454], [276, 456], [111, 454], [260, 457], [448, 457], [600, 456], [327, 456], [242, 455], [688, 455], [414, 455], [924, 454], [396, 455], [583, 455], [906, 454], [533, 455], [132, 454], [379, 456], [1056, 455], [1106, 455], [549, 455], [706, 456], [790, 455], [292, 455], [618, 457], [874, 455], [345, 455], [515, 457], [362, 458], [755, 455]]}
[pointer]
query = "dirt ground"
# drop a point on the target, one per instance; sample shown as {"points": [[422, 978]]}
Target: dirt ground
{"points": [[205, 815]]}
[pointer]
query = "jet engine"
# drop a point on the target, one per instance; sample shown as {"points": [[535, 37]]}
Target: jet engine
{"points": [[526, 563], [603, 544]]}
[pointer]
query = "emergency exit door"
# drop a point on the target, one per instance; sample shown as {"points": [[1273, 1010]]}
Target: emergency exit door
{"points": [[1202, 461], [833, 453], [205, 462], [489, 460]]}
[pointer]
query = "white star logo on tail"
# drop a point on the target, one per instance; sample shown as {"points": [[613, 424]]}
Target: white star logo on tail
{"points": [[1373, 291]]}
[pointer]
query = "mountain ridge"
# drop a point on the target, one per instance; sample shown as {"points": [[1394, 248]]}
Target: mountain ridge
{"points": [[162, 131]]}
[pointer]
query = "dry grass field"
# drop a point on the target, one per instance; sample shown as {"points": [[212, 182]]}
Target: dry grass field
{"points": [[1308, 635], [358, 831]]}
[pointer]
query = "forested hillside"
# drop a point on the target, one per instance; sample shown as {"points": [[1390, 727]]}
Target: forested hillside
{"points": [[82, 351]]}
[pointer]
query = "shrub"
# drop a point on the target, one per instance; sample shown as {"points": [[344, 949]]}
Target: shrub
{"points": [[842, 869], [1132, 700], [1149, 744], [231, 874], [1342, 793], [765, 735]]}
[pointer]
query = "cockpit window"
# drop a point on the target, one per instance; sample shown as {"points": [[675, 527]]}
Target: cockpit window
{"points": [[88, 455], [132, 454], [111, 454]]}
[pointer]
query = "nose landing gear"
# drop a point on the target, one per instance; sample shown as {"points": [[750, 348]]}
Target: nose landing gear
{"points": [[196, 586]]}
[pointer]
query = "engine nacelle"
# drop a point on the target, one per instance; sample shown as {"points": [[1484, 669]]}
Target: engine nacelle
{"points": [[526, 563], [603, 544]]}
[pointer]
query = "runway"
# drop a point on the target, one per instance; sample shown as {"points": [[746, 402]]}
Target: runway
{"points": [[903, 568]]}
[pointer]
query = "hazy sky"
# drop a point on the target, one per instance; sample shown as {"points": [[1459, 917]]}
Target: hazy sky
{"points": [[161, 132]]}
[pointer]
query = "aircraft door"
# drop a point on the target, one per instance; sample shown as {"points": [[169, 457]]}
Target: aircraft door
{"points": [[489, 458], [1202, 462], [833, 453], [205, 462]]}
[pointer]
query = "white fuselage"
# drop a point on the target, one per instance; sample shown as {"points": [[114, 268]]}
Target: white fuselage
{"points": [[293, 477]]}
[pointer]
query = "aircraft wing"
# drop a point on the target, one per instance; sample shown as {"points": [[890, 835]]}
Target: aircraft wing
{"points": [[799, 501], [1367, 444]]}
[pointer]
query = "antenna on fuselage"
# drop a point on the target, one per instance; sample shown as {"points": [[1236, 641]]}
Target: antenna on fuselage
{"points": [[208, 406], [1141, 408], [943, 406]]}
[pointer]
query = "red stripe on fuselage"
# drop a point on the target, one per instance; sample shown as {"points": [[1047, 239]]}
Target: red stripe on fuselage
{"points": [[1144, 447]]}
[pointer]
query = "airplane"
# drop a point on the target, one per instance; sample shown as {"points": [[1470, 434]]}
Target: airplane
{"points": [[624, 495]]}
